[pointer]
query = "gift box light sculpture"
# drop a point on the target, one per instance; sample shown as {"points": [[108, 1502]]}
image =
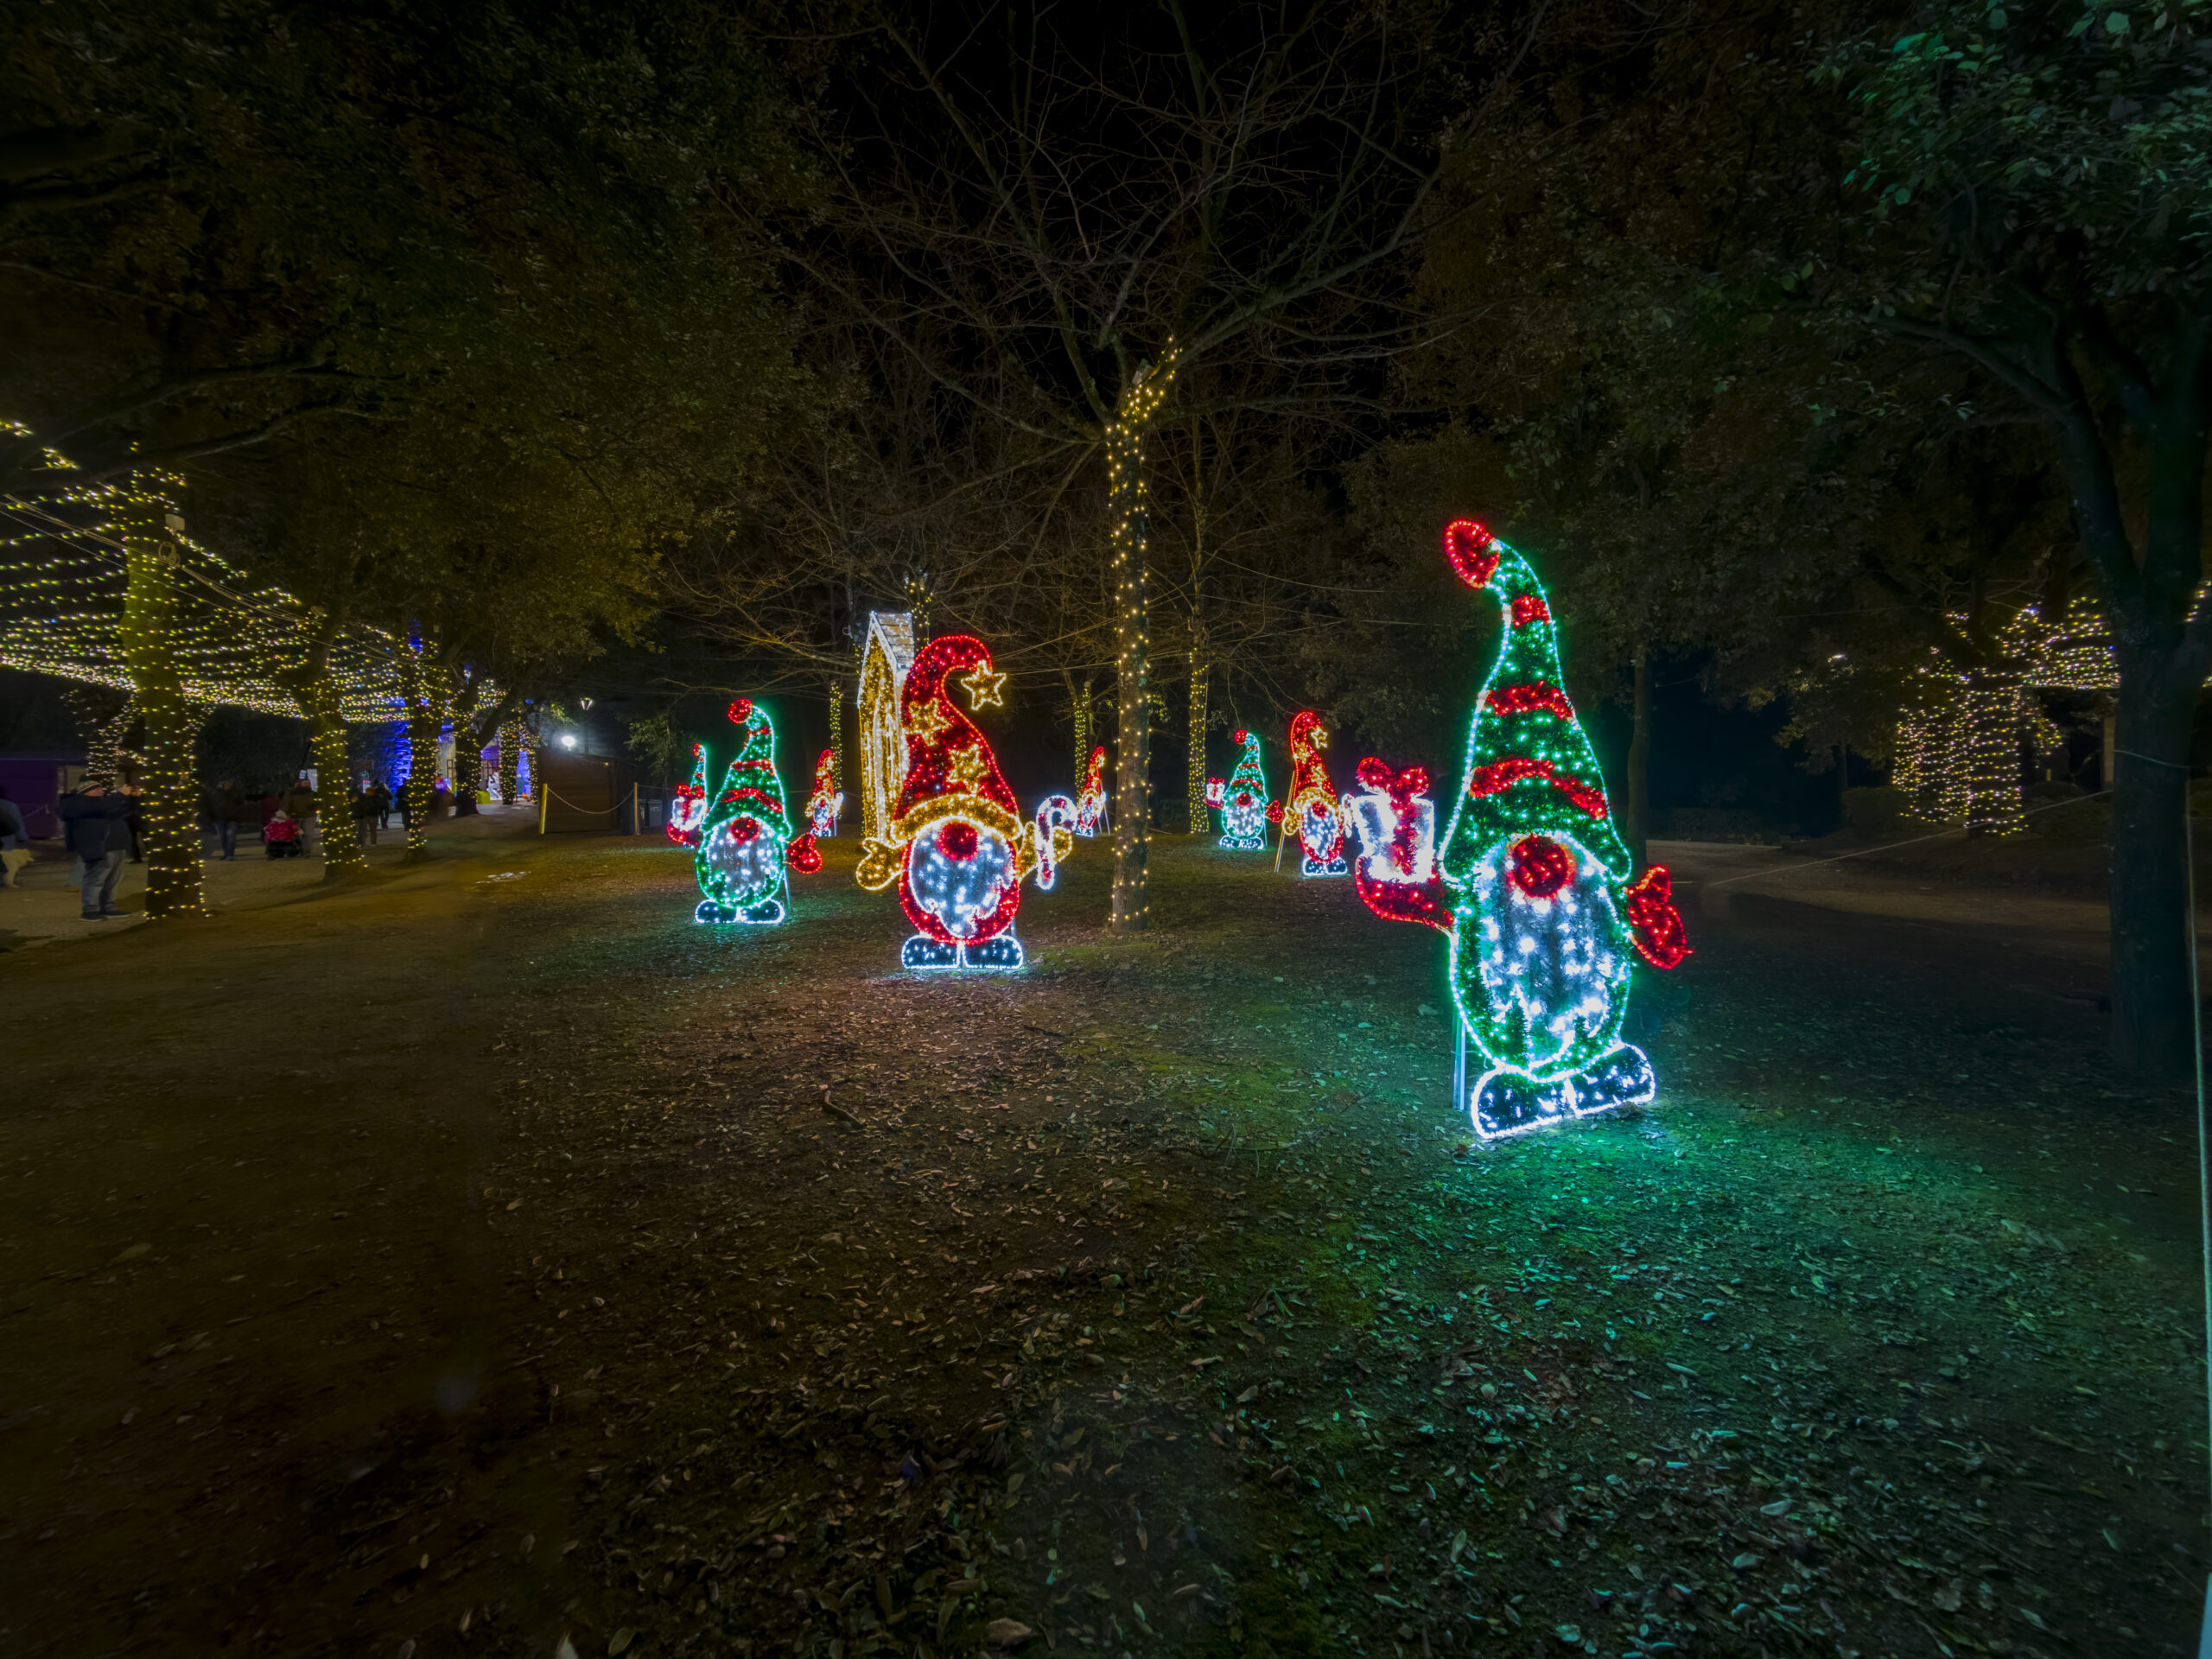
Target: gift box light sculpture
{"points": [[1312, 806], [687, 810], [954, 843], [1531, 884], [1243, 800], [746, 839]]}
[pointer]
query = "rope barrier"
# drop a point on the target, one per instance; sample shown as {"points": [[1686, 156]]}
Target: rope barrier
{"points": [[573, 807]]}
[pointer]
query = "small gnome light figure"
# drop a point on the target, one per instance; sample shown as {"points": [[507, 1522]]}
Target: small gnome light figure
{"points": [[1313, 802], [1091, 799], [1531, 883], [957, 846], [828, 801], [745, 843], [1243, 800]]}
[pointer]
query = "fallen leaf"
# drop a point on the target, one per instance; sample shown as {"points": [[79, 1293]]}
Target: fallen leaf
{"points": [[1006, 1633]]}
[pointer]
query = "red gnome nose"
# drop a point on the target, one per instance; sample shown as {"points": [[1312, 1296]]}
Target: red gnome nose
{"points": [[1541, 867], [958, 840]]}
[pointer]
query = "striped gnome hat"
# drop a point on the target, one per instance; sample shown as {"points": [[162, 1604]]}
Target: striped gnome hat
{"points": [[1530, 766]]}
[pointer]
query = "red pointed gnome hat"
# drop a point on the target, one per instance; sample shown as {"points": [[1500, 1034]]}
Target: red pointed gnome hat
{"points": [[946, 755]]}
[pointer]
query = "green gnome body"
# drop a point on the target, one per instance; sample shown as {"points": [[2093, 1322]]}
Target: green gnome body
{"points": [[746, 835], [1531, 884]]}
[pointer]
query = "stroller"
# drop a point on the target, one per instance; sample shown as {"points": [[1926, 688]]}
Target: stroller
{"points": [[282, 836]]}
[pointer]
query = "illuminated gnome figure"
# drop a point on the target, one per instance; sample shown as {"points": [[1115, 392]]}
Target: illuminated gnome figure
{"points": [[1531, 884], [828, 800], [1313, 804], [746, 838], [1243, 800], [687, 810], [1091, 799], [957, 845]]}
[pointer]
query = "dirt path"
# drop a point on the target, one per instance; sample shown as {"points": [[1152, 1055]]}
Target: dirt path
{"points": [[524, 1262]]}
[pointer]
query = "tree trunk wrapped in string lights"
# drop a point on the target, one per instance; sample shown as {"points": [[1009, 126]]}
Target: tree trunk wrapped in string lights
{"points": [[311, 684], [1079, 717], [1959, 744], [423, 682], [1128, 508], [169, 807], [510, 740], [1194, 769], [1532, 883]]}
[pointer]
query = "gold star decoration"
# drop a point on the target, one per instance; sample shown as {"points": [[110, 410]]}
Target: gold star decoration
{"points": [[927, 721], [967, 768], [984, 688]]}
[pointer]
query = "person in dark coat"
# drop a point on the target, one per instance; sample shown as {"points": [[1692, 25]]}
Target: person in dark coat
{"points": [[227, 808], [14, 845], [96, 822], [364, 817]]}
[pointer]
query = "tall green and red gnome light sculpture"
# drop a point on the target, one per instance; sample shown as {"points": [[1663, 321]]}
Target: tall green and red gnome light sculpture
{"points": [[1531, 885], [1242, 801], [956, 844], [745, 842]]}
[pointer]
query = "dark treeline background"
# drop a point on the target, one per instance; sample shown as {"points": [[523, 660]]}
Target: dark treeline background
{"points": [[639, 351]]}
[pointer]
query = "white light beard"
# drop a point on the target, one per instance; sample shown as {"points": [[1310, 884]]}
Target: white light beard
{"points": [[957, 890], [750, 867], [1553, 958]]}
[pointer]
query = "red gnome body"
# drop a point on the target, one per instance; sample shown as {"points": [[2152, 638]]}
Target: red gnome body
{"points": [[957, 844]]}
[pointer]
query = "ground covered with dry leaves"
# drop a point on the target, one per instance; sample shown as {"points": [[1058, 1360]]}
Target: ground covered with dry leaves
{"points": [[726, 1291]]}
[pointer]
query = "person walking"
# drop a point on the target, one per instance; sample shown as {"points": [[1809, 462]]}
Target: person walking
{"points": [[97, 822], [229, 808], [364, 817], [14, 845], [381, 793], [301, 804]]}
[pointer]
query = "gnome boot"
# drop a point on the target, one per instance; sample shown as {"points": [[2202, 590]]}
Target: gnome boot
{"points": [[1623, 1078], [767, 912], [999, 950], [923, 951], [1507, 1101], [709, 910]]}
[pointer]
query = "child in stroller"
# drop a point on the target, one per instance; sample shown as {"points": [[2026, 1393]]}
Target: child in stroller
{"points": [[283, 835]]}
